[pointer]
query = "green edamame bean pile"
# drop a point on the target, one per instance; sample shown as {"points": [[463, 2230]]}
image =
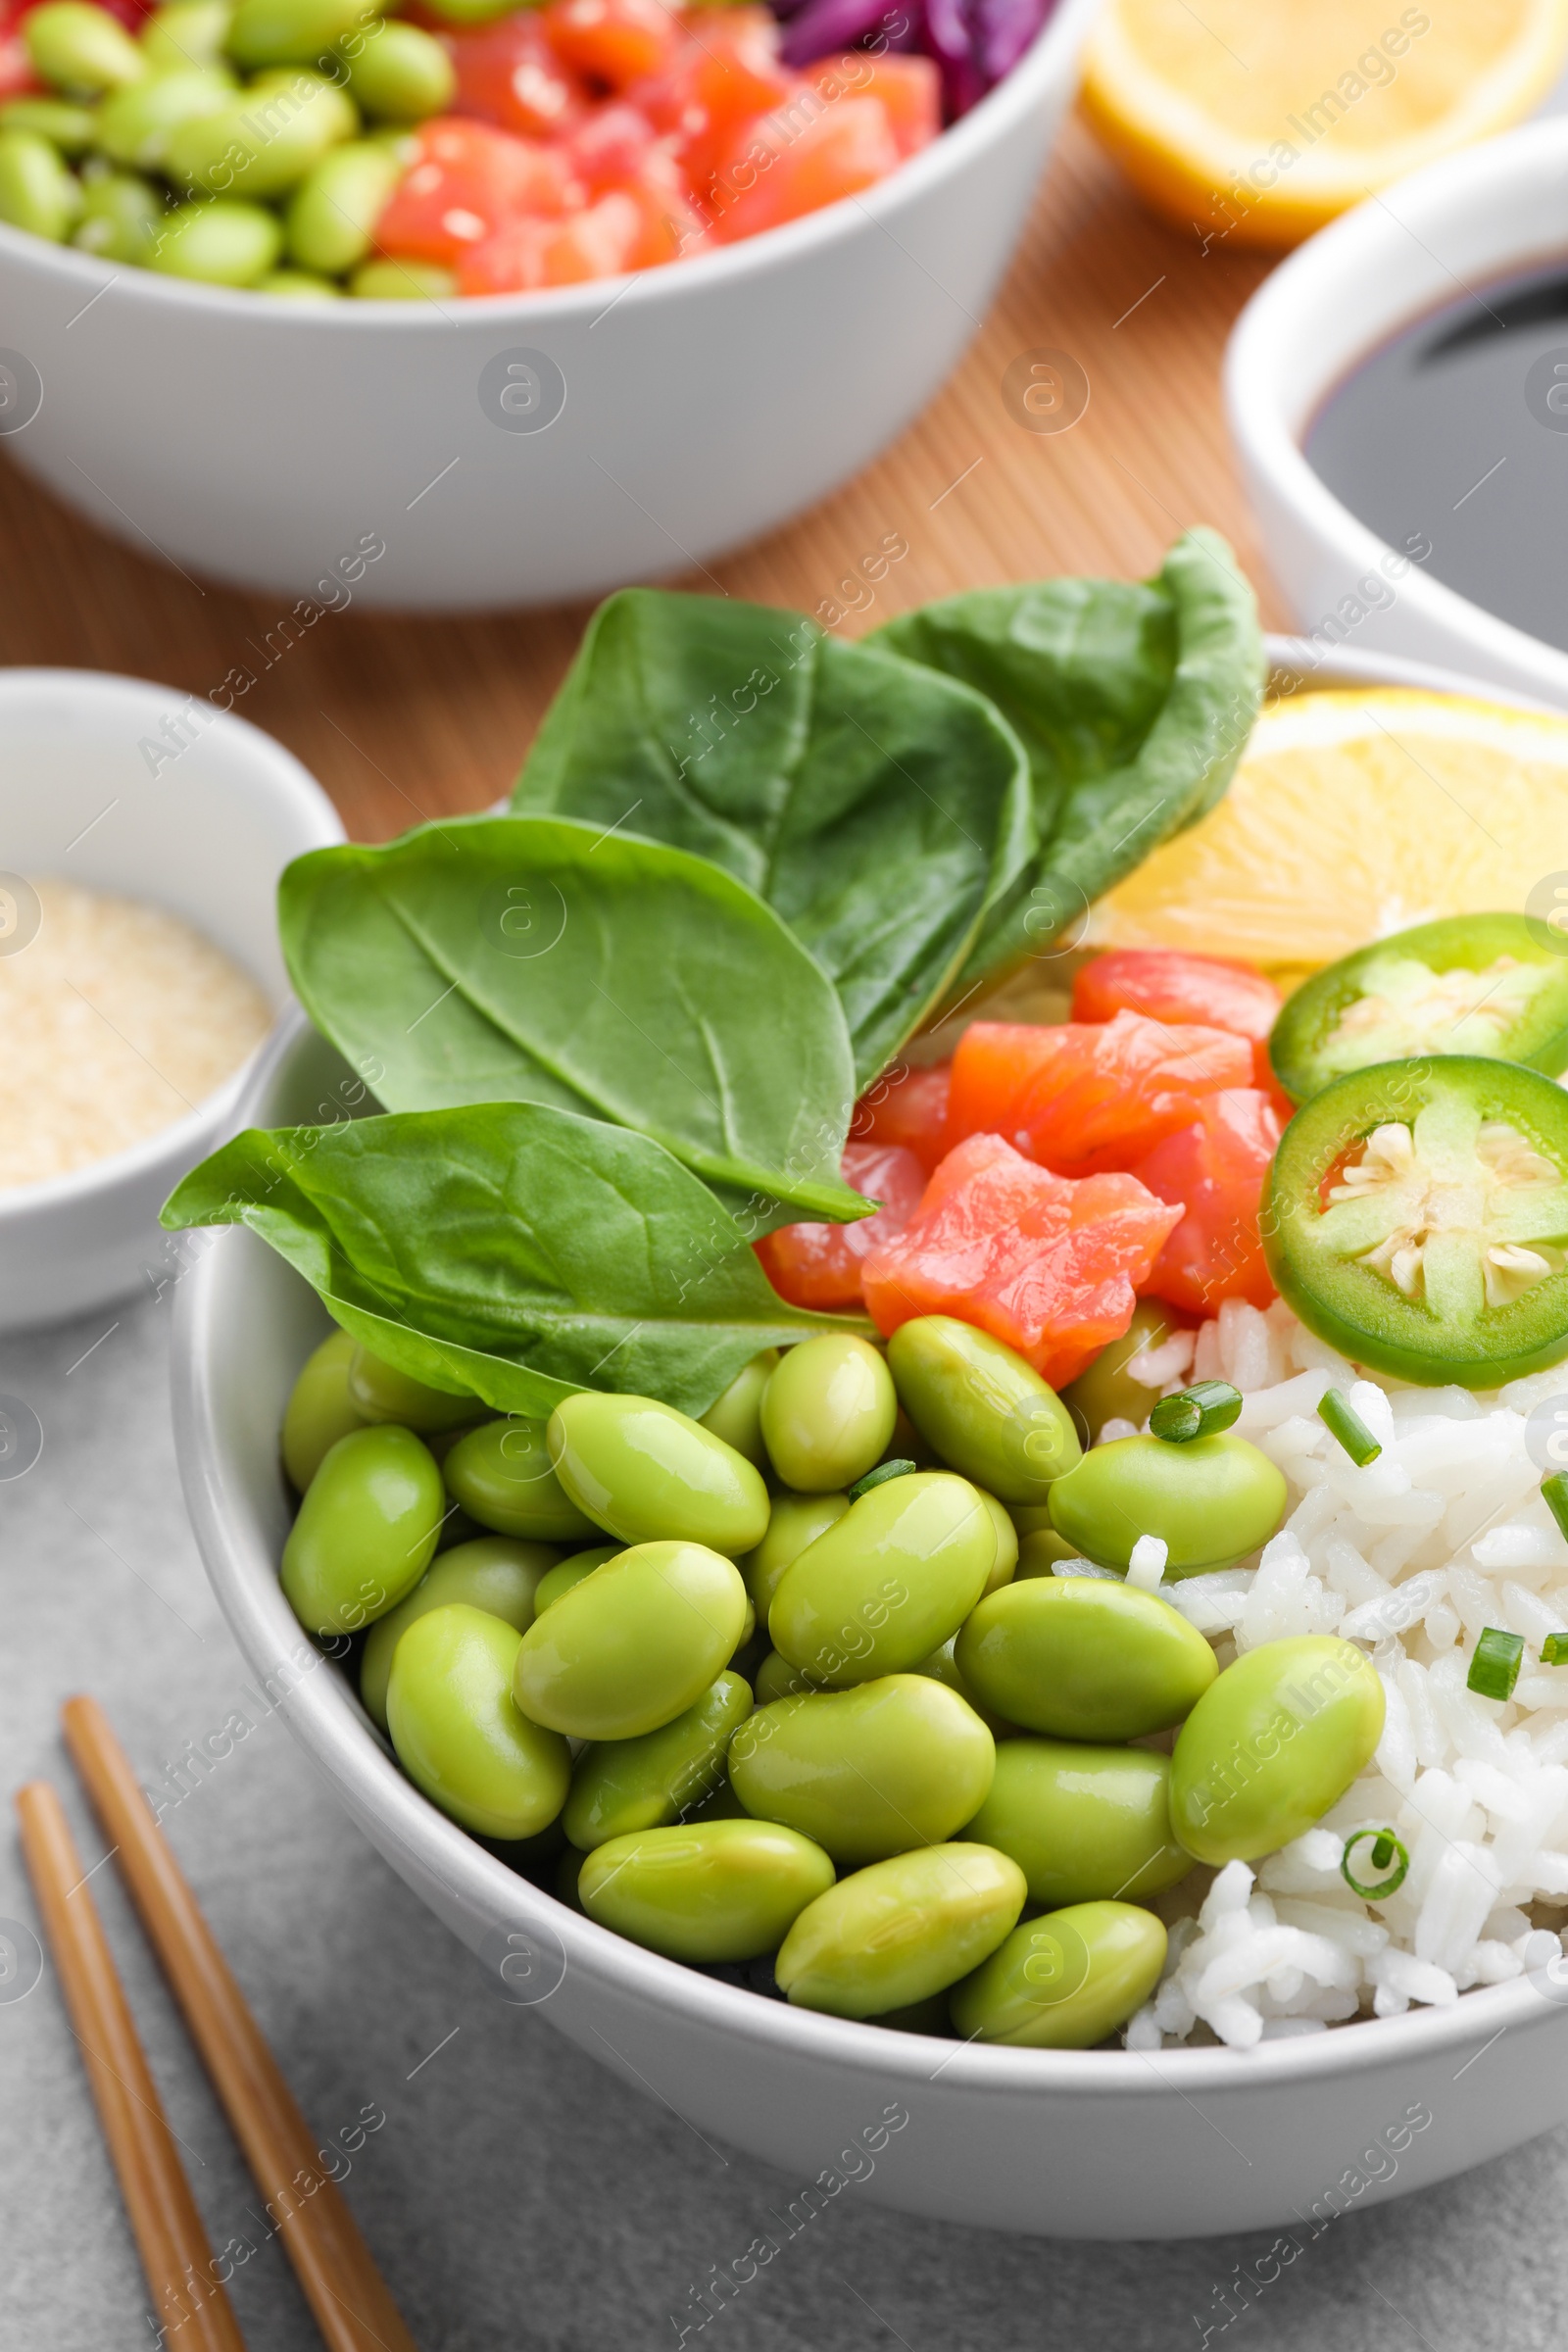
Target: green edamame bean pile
{"points": [[803, 1685], [250, 144]]}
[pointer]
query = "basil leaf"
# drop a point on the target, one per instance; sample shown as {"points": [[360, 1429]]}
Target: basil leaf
{"points": [[1133, 701], [509, 1250], [880, 809], [531, 959]]}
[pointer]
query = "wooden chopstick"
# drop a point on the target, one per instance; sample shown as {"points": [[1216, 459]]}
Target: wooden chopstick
{"points": [[351, 2301], [173, 2245]]}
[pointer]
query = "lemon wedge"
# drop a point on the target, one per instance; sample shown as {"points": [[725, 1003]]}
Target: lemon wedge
{"points": [[1257, 121], [1354, 816]]}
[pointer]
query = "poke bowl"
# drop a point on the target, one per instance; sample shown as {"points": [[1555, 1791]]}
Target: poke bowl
{"points": [[518, 448], [1375, 2075]]}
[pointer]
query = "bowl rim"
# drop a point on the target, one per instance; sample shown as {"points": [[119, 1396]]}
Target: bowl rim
{"points": [[331, 1726], [1365, 244], [295, 789], [1050, 56]]}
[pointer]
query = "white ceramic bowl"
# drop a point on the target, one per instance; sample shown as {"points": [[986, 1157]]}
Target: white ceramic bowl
{"points": [[206, 837], [1495, 209], [1091, 2144], [276, 445]]}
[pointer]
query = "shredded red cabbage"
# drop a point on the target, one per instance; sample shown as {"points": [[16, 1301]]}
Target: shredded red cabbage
{"points": [[975, 42]]}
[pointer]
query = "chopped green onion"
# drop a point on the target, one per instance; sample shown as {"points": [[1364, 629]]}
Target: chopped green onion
{"points": [[878, 1478], [1555, 1495], [1200, 1412], [1554, 1650], [1495, 1668], [1386, 1848], [1334, 1413]]}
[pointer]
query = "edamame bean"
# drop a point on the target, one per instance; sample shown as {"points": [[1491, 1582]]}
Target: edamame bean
{"points": [[1082, 1821], [893, 1764], [646, 1472], [1039, 1553], [570, 1572], [943, 1667], [402, 282], [794, 1521], [188, 32], [987, 1412], [707, 1891], [493, 1573], [320, 1409], [501, 1475], [634, 1644], [1083, 1657], [223, 244], [458, 1731], [365, 1533], [298, 285], [121, 217], [71, 128], [827, 1413], [1063, 1981], [75, 46], [323, 89], [136, 124], [384, 1394], [1275, 1742], [291, 32], [1030, 1519], [1005, 1565], [38, 190], [737, 1417], [899, 1930], [1210, 1502], [1108, 1391], [775, 1678], [888, 1583], [622, 1785], [398, 74], [333, 210], [263, 143]]}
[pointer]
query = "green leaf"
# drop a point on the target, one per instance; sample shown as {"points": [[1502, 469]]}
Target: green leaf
{"points": [[509, 1250], [1133, 701], [881, 810], [532, 960]]}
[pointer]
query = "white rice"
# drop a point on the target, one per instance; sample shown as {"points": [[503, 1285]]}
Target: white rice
{"points": [[1443, 1535]]}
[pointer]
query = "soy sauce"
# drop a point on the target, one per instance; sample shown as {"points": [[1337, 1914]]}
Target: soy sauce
{"points": [[1456, 431]]}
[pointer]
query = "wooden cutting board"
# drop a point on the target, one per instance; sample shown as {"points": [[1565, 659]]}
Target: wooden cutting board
{"points": [[403, 718]]}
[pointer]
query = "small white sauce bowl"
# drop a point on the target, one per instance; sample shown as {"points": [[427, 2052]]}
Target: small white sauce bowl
{"points": [[206, 838], [1057, 2143], [296, 446], [1496, 209]]}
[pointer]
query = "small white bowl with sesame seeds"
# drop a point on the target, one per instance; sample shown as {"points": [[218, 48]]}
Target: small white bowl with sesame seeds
{"points": [[141, 835]]}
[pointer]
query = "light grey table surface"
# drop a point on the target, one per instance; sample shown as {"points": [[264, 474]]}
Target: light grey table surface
{"points": [[517, 2196]]}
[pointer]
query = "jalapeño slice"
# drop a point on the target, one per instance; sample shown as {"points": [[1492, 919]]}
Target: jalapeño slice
{"points": [[1489, 985], [1417, 1219]]}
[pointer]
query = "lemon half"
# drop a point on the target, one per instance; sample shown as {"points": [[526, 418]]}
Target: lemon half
{"points": [[1354, 816], [1257, 121]]}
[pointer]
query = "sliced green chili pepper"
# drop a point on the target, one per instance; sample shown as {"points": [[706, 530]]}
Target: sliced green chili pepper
{"points": [[1480, 985], [1416, 1218]]}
